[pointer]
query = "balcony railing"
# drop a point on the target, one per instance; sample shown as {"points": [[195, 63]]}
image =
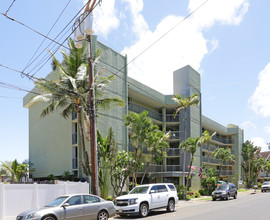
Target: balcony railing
{"points": [[75, 163], [161, 168], [215, 161], [74, 115], [74, 139], [171, 118], [212, 148], [227, 172], [175, 135], [223, 140], [138, 109], [174, 152]]}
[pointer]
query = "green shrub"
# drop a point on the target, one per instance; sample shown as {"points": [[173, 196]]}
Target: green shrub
{"points": [[259, 185], [203, 192], [197, 194], [110, 198], [181, 192]]}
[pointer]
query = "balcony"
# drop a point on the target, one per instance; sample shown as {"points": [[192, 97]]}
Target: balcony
{"points": [[211, 160], [171, 118], [227, 172], [74, 115], [74, 139], [138, 109], [131, 148], [161, 168], [75, 163], [175, 135], [223, 140], [174, 152], [212, 148]]}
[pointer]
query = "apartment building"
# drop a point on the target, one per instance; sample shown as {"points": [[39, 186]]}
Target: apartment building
{"points": [[54, 146]]}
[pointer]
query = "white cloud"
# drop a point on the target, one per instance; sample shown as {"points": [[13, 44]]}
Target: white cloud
{"points": [[247, 125], [105, 18], [185, 45], [260, 142], [259, 101]]}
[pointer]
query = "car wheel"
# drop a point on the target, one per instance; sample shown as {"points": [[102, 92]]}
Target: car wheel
{"points": [[143, 210], [103, 215], [49, 218], [227, 197], [235, 196], [214, 199], [171, 205]]}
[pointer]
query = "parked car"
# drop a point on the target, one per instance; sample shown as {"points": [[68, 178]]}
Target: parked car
{"points": [[225, 191], [142, 199], [265, 186], [71, 207], [218, 183]]}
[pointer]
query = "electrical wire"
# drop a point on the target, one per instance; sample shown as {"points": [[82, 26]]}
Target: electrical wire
{"points": [[10, 6], [47, 34]]}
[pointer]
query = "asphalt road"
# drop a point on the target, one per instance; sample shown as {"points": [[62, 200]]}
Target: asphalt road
{"points": [[245, 207]]}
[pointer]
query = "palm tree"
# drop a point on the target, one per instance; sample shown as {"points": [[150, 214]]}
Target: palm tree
{"points": [[70, 91], [190, 145], [259, 165], [206, 139], [106, 151], [11, 169], [224, 155], [184, 103]]}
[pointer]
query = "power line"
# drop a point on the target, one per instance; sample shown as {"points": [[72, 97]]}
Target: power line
{"points": [[47, 34], [10, 6]]}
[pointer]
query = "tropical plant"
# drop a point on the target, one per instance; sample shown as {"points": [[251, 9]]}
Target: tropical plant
{"points": [[190, 145], [259, 165], [70, 92], [223, 155], [206, 139], [121, 169], [156, 144], [208, 182], [66, 175], [183, 104], [106, 148], [11, 169]]}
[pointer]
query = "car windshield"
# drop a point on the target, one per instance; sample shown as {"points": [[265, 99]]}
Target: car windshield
{"points": [[266, 183], [57, 201], [139, 190], [222, 187]]}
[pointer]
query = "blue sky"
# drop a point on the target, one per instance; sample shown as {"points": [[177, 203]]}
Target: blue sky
{"points": [[226, 41]]}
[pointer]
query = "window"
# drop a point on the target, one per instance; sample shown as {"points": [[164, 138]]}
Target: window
{"points": [[172, 188], [162, 188], [90, 199], [75, 200], [154, 188]]}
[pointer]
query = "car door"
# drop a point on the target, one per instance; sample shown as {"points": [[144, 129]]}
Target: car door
{"points": [[91, 207], [155, 197], [163, 195], [74, 211]]}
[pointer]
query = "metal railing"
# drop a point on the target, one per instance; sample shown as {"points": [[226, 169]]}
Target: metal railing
{"points": [[160, 168], [212, 148], [74, 138], [75, 163], [227, 172], [211, 160], [223, 140], [174, 152], [171, 118], [138, 109], [175, 135]]}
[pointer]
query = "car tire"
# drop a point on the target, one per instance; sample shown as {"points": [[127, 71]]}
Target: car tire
{"points": [[144, 210], [214, 199], [49, 217], [235, 196], [227, 197], [171, 206], [103, 215]]}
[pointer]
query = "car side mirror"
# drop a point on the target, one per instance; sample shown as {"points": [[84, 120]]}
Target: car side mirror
{"points": [[152, 191], [65, 205]]}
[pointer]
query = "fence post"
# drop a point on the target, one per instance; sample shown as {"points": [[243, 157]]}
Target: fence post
{"points": [[2, 201]]}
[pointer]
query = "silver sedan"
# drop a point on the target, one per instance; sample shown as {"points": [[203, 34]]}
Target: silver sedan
{"points": [[72, 207]]}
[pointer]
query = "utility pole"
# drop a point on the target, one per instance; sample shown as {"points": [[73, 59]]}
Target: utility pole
{"points": [[85, 23]]}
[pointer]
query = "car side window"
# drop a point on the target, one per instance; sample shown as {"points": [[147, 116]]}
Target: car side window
{"points": [[172, 188], [75, 200], [162, 188], [154, 188], [90, 199]]}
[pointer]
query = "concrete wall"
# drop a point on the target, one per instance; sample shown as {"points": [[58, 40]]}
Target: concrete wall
{"points": [[16, 198]]}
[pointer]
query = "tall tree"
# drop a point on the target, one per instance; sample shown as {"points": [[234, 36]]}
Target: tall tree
{"points": [[190, 145], [11, 168], [183, 104], [223, 155], [206, 139]]}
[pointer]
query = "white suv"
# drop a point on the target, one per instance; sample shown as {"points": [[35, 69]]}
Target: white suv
{"points": [[145, 198]]}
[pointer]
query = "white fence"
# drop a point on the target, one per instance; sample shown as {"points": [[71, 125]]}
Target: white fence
{"points": [[16, 198]]}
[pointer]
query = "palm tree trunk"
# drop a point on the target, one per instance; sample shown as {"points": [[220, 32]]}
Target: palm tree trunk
{"points": [[146, 168], [189, 170], [184, 156], [208, 159], [84, 152]]}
